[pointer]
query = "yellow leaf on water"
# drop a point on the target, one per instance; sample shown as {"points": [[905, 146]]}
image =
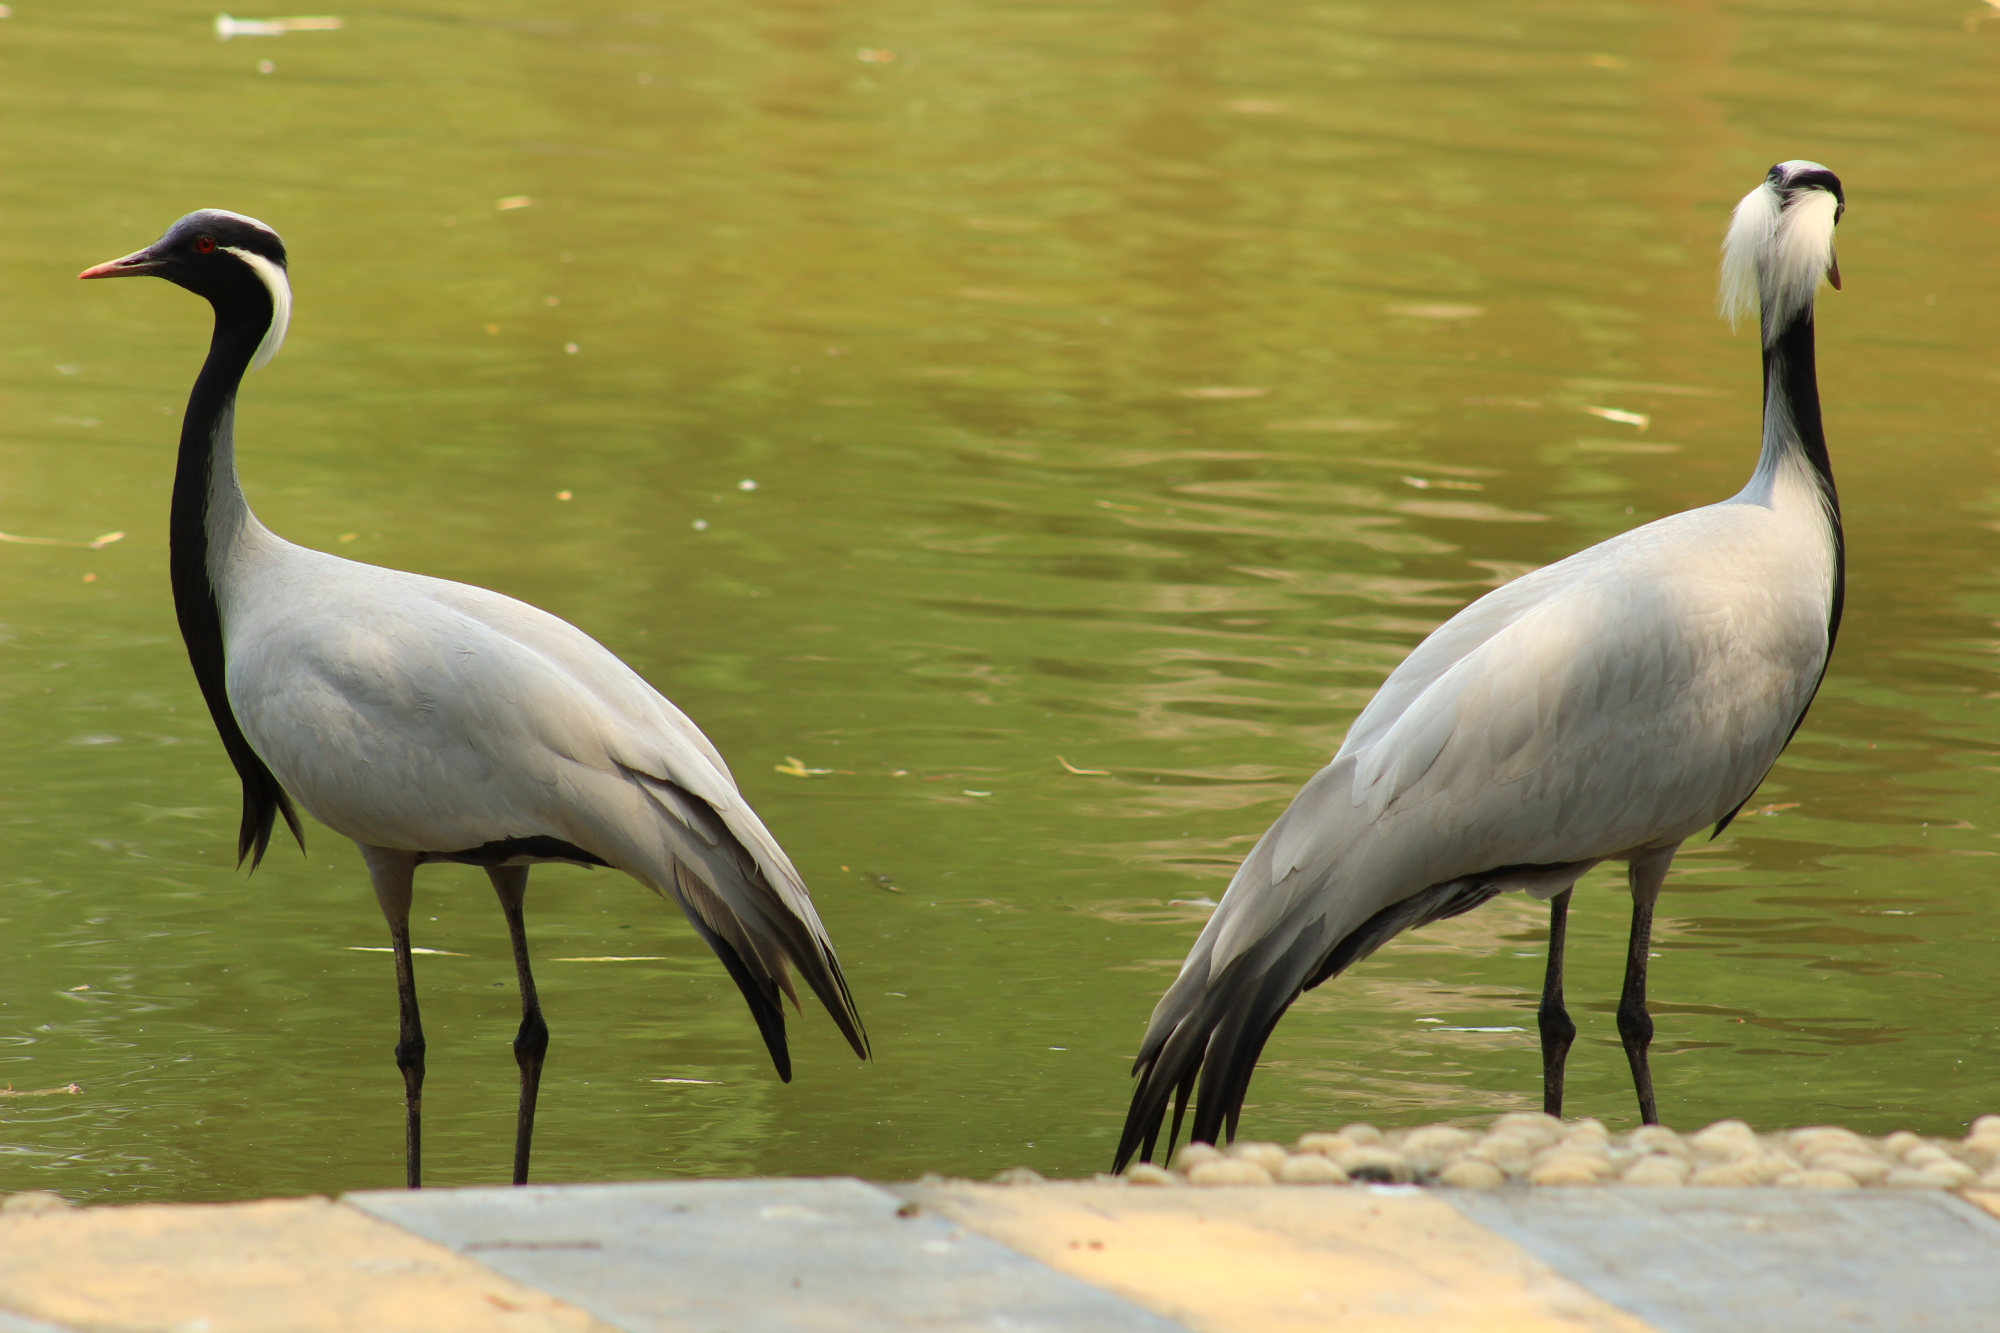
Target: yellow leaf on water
{"points": [[615, 958], [796, 768], [1437, 310], [1083, 772], [1639, 419], [1223, 391]]}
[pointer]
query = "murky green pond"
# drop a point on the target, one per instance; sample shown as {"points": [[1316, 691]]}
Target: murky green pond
{"points": [[951, 397]]}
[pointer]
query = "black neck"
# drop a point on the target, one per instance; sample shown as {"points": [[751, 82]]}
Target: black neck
{"points": [[1792, 422], [206, 432], [1791, 387]]}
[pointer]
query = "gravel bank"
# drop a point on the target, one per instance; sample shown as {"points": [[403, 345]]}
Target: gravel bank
{"points": [[1528, 1148]]}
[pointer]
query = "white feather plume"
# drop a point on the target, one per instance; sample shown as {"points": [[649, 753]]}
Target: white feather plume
{"points": [[281, 302], [1778, 249]]}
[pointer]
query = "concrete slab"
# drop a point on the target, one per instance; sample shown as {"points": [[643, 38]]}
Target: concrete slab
{"points": [[1277, 1260], [279, 1266], [756, 1256], [1778, 1261], [15, 1324]]}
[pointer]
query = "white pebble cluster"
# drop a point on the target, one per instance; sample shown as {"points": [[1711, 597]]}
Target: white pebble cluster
{"points": [[1528, 1148]]}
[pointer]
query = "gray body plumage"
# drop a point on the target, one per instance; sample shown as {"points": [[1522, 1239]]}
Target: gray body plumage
{"points": [[432, 721], [1602, 708]]}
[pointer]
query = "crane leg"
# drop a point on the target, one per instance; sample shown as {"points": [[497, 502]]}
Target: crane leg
{"points": [[394, 876], [1558, 1030], [531, 1042], [1635, 1025]]}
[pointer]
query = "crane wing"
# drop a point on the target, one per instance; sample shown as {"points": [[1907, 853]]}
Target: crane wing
{"points": [[421, 714], [1588, 710]]}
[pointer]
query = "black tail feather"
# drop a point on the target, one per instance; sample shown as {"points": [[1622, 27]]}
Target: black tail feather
{"points": [[771, 933], [263, 799], [762, 997], [1226, 1023]]}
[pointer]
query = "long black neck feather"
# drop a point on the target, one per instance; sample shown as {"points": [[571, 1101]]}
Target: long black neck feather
{"points": [[210, 421], [1791, 386], [1791, 382]]}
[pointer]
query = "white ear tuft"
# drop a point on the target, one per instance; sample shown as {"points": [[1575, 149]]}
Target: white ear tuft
{"points": [[281, 303], [1751, 227], [1777, 251]]}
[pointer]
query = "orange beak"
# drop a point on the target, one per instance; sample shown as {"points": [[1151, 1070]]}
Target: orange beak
{"points": [[136, 264]]}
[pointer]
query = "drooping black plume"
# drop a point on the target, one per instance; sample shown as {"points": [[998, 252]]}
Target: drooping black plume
{"points": [[1226, 1023]]}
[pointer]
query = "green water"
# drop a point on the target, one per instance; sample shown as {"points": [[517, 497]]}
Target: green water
{"points": [[1126, 385]]}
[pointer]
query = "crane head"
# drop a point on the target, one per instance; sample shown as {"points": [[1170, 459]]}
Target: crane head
{"points": [[1780, 245], [236, 262]]}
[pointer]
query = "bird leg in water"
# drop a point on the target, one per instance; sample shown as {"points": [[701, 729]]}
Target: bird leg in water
{"points": [[393, 874], [1635, 1025], [1558, 1030], [531, 1042]]}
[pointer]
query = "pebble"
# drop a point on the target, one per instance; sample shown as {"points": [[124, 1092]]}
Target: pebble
{"points": [[1526, 1148], [34, 1201], [1310, 1168], [1229, 1171], [1570, 1168], [1656, 1171], [1472, 1173], [1193, 1155], [1383, 1166], [1145, 1173], [1267, 1155], [1817, 1180], [1429, 1150]]}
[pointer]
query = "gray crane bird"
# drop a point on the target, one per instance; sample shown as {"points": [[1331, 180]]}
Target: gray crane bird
{"points": [[432, 721], [1603, 708]]}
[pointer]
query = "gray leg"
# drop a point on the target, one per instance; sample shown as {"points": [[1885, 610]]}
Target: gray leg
{"points": [[531, 1042], [1558, 1031], [1635, 1025], [394, 874]]}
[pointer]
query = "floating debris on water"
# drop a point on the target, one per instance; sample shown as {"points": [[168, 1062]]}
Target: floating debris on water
{"points": [[1528, 1148], [227, 27], [616, 958], [1437, 310], [1639, 419], [94, 544]]}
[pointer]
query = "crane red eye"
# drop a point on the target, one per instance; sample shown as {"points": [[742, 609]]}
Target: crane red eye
{"points": [[204, 245]]}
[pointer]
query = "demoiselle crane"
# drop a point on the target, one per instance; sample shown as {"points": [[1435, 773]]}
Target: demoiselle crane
{"points": [[1602, 708], [432, 721]]}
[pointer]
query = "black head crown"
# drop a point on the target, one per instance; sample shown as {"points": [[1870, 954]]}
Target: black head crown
{"points": [[237, 263], [211, 252], [1791, 179]]}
